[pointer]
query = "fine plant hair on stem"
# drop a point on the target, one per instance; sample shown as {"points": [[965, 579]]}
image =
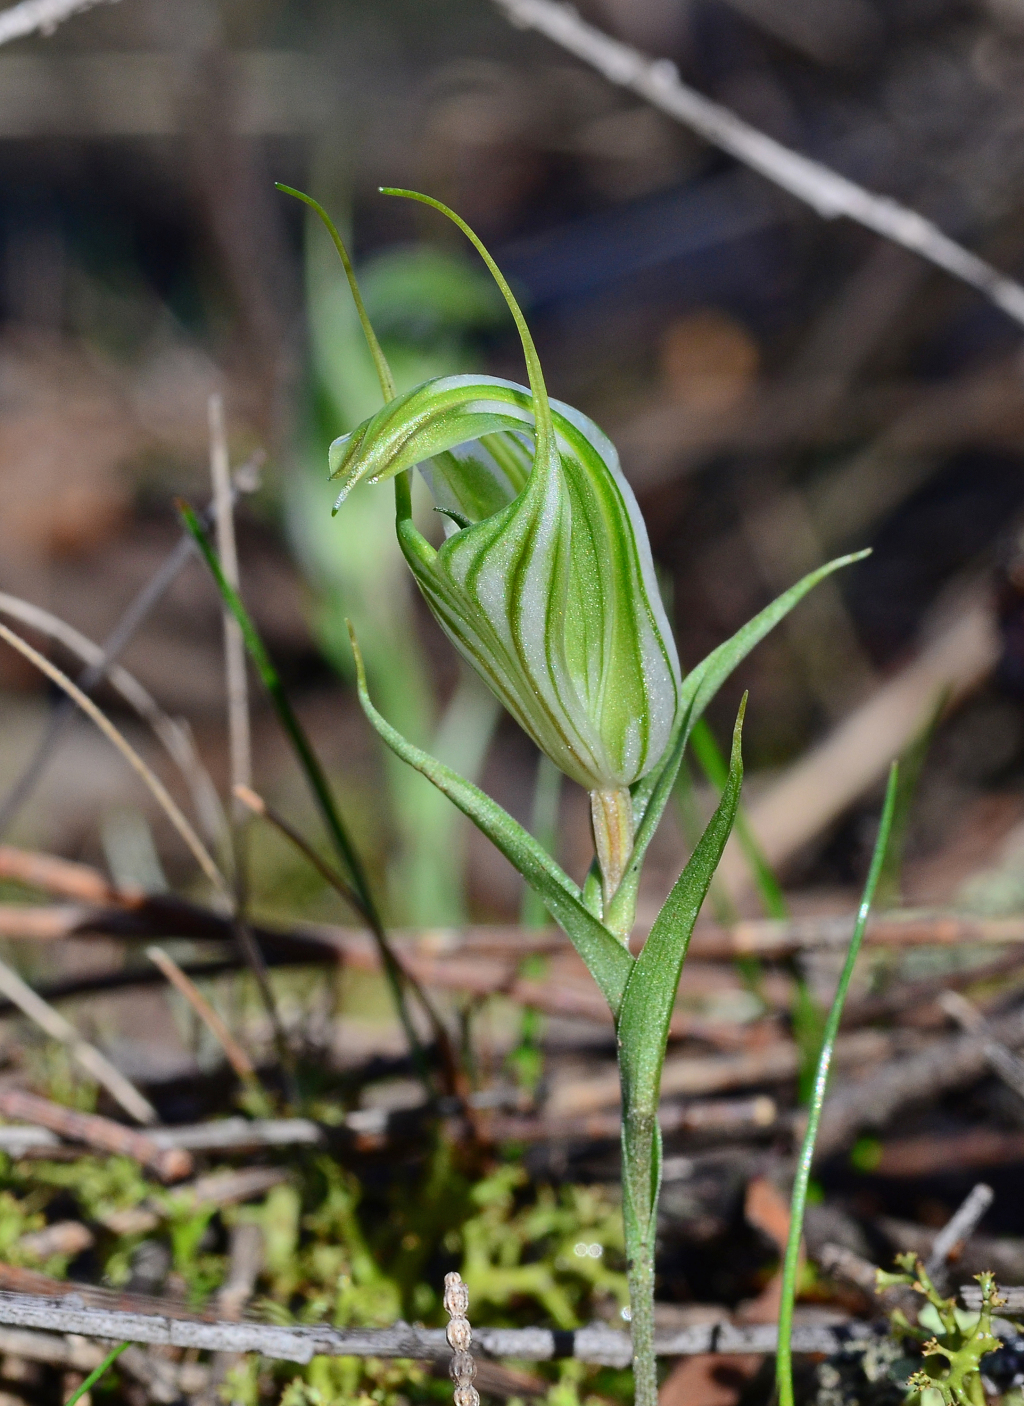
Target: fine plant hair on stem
{"points": [[824, 190], [155, 785], [791, 1261], [32, 1005], [317, 780], [173, 736], [39, 17]]}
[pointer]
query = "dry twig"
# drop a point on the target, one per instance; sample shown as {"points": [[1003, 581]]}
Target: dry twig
{"points": [[946, 1064], [596, 1343], [236, 1056], [88, 1056], [101, 1133], [155, 785], [823, 189], [39, 17], [1004, 1062], [960, 1226]]}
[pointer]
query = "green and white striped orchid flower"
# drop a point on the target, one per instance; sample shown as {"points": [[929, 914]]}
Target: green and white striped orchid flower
{"points": [[545, 581]]}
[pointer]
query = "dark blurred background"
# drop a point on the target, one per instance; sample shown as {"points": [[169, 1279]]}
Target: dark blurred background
{"points": [[781, 388]]}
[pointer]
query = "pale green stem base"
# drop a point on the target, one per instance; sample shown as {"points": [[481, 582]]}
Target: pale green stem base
{"points": [[641, 1159]]}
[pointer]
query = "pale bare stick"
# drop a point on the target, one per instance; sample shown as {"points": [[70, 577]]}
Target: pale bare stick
{"points": [[596, 1343], [173, 735], [39, 16], [155, 785], [236, 1056], [824, 190], [239, 739], [61, 1030], [1002, 1061], [960, 1227]]}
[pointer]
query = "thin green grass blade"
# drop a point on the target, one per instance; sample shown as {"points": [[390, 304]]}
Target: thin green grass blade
{"points": [[784, 1358], [607, 960], [318, 783], [286, 714], [912, 761], [723, 909], [713, 764], [97, 1372], [651, 794], [380, 361]]}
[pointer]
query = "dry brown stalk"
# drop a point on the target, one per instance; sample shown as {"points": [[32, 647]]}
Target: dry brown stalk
{"points": [[931, 1155], [236, 1056], [63, 1237], [53, 875], [92, 1060], [103, 1134]]}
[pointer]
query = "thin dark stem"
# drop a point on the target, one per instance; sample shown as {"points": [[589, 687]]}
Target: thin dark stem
{"points": [[331, 876], [316, 778]]}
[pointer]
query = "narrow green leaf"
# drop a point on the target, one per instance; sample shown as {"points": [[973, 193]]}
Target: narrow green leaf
{"points": [[784, 1358], [607, 960], [395, 975], [642, 1029], [651, 989], [716, 769], [97, 1373], [286, 714], [912, 760], [651, 794]]}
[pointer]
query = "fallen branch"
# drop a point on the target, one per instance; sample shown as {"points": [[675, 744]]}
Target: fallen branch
{"points": [[946, 1064], [933, 1155], [39, 16], [595, 1343], [162, 915], [104, 1134], [824, 190]]}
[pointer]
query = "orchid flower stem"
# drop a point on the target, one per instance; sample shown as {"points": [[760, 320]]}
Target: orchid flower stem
{"points": [[791, 1263]]}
